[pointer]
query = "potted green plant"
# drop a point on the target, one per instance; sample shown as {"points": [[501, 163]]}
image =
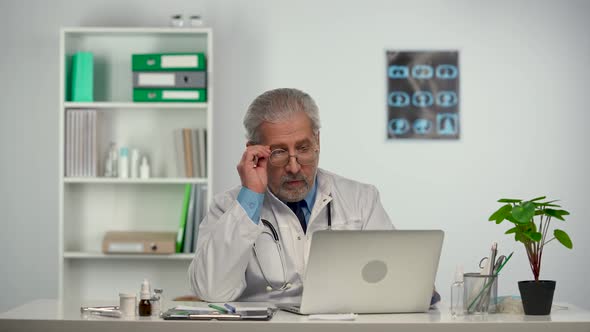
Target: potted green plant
{"points": [[531, 221]]}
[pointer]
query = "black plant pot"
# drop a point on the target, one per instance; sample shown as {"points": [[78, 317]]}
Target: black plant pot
{"points": [[537, 296]]}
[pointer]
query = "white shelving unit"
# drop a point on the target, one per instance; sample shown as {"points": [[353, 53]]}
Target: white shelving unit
{"points": [[89, 207]]}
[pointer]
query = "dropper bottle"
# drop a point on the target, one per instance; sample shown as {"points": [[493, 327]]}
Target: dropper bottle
{"points": [[457, 289], [145, 306]]}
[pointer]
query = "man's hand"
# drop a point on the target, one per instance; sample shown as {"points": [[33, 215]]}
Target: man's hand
{"points": [[252, 168]]}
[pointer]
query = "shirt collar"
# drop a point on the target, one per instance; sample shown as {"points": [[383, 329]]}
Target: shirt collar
{"points": [[310, 198]]}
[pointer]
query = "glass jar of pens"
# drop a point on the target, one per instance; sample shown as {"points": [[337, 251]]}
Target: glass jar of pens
{"points": [[480, 293], [479, 289]]}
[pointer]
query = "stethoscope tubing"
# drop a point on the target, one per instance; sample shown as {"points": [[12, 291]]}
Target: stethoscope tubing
{"points": [[275, 236]]}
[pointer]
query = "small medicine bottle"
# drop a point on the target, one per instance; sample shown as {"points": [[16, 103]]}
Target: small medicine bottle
{"points": [[145, 306], [144, 169], [124, 163], [134, 163], [457, 288], [157, 302]]}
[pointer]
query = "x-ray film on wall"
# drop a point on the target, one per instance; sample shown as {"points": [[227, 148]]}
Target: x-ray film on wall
{"points": [[423, 95]]}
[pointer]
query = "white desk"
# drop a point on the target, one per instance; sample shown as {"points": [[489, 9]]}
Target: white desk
{"points": [[51, 315]]}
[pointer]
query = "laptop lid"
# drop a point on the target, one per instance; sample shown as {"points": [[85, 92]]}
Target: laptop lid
{"points": [[371, 271]]}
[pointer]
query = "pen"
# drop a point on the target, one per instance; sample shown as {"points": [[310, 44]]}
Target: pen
{"points": [[218, 308], [489, 268], [505, 261], [230, 307], [105, 312]]}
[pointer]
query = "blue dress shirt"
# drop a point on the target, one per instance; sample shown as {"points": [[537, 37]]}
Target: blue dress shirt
{"points": [[252, 202]]}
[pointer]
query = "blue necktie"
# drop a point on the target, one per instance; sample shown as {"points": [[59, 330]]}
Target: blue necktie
{"points": [[297, 208]]}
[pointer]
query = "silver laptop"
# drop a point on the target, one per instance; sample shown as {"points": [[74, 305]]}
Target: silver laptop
{"points": [[370, 272]]}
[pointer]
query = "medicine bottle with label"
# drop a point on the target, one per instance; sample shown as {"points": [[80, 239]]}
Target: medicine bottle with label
{"points": [[157, 302], [145, 306]]}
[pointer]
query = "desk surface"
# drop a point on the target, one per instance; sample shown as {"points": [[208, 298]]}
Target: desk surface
{"points": [[51, 315]]}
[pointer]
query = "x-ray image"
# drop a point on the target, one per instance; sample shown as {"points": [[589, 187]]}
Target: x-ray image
{"points": [[423, 94]]}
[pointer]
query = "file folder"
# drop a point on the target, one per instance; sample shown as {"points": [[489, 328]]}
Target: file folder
{"points": [[82, 78], [170, 95], [179, 79], [168, 62]]}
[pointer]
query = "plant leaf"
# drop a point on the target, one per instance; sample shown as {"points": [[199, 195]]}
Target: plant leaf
{"points": [[548, 203], [563, 238], [512, 230], [511, 219], [509, 200], [524, 213], [538, 198], [531, 227], [501, 214], [556, 213], [534, 236], [520, 237]]}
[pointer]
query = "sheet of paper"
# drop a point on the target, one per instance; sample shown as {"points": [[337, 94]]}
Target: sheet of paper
{"points": [[193, 307], [333, 317], [240, 306]]}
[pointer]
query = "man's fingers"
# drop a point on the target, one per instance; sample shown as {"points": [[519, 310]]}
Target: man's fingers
{"points": [[255, 153]]}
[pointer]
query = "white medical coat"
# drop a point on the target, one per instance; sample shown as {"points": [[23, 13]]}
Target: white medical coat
{"points": [[224, 267]]}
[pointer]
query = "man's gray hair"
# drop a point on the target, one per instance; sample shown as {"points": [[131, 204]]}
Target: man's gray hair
{"points": [[277, 106]]}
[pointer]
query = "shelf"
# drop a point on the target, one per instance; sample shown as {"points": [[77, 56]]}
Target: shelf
{"points": [[99, 255], [147, 30], [136, 181], [132, 105], [91, 206]]}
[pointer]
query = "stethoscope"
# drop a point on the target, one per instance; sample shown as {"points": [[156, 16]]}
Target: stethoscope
{"points": [[275, 236]]}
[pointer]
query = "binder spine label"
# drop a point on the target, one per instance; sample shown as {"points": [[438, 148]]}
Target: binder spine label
{"points": [[179, 61], [170, 95], [177, 79], [123, 247], [155, 79], [168, 62]]}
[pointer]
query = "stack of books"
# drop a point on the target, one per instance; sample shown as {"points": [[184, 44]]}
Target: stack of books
{"points": [[194, 209], [169, 77], [80, 148], [191, 152]]}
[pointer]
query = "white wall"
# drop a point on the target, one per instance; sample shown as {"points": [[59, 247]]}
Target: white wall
{"points": [[523, 113]]}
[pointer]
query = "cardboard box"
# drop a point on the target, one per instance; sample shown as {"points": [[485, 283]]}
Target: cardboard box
{"points": [[122, 242]]}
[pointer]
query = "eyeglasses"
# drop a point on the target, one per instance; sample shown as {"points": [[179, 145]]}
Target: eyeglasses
{"points": [[305, 156]]}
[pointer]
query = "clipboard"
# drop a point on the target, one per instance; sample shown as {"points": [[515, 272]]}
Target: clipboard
{"points": [[202, 314]]}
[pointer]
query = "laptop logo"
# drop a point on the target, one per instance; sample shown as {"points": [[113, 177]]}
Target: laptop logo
{"points": [[374, 271]]}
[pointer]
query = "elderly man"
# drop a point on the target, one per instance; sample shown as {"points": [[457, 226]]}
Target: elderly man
{"points": [[254, 242]]}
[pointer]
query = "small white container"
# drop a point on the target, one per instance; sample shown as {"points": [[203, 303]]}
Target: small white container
{"points": [[127, 304], [196, 21], [176, 21], [134, 163], [124, 163], [144, 169]]}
